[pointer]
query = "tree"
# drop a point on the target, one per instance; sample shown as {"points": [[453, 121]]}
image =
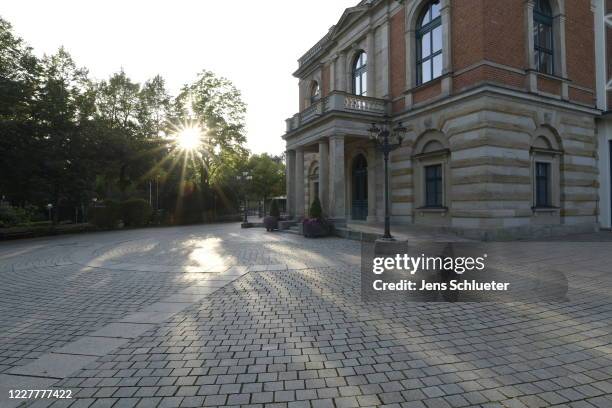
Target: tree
{"points": [[215, 105], [268, 176], [66, 139], [64, 162], [19, 75]]}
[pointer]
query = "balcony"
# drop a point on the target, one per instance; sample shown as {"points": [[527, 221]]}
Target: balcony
{"points": [[338, 102]]}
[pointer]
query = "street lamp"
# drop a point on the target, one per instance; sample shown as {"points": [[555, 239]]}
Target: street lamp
{"points": [[49, 207], [386, 140], [244, 177]]}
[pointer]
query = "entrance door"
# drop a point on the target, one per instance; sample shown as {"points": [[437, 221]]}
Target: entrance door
{"points": [[360, 188]]}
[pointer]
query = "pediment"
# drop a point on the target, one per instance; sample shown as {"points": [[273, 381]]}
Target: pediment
{"points": [[349, 16]]}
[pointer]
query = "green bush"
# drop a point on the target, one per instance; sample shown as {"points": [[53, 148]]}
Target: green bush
{"points": [[11, 216], [105, 215], [274, 211], [136, 212], [315, 209]]}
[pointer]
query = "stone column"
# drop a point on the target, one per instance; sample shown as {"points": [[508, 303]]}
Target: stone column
{"points": [[290, 173], [447, 67], [332, 74], [532, 77], [324, 175], [560, 60], [411, 54], [341, 82], [299, 183], [337, 188], [600, 55], [371, 64], [385, 90], [372, 163]]}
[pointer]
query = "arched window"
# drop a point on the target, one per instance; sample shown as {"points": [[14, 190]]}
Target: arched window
{"points": [[543, 37], [360, 74], [315, 92], [545, 170], [429, 43], [431, 163]]}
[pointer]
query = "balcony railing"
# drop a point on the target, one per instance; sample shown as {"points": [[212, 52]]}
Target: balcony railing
{"points": [[338, 102]]}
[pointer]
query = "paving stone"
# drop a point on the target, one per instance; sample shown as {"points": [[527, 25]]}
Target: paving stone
{"points": [[284, 327], [93, 346], [122, 330], [53, 365]]}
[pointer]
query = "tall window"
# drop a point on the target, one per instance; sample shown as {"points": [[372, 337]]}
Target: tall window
{"points": [[543, 196], [429, 43], [315, 92], [360, 75], [433, 185], [543, 37]]}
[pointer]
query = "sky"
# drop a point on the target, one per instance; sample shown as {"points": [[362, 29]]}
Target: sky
{"points": [[255, 44]]}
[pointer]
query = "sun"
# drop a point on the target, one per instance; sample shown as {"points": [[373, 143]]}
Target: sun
{"points": [[189, 138]]}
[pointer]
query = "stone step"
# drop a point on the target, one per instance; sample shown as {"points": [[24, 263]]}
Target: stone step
{"points": [[292, 230], [344, 232]]}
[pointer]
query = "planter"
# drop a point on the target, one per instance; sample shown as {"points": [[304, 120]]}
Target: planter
{"points": [[315, 228], [271, 223]]}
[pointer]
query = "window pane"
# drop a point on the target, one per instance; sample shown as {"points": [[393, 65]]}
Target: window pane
{"points": [[545, 37], [357, 86], [426, 72], [437, 66], [543, 185], [364, 84], [426, 45], [546, 66], [437, 39], [433, 186], [426, 17], [364, 58], [435, 9], [536, 58]]}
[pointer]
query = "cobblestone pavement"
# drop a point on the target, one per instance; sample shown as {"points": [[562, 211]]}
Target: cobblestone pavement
{"points": [[218, 316]]}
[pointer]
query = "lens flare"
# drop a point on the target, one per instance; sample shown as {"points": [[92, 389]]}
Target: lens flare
{"points": [[189, 138]]}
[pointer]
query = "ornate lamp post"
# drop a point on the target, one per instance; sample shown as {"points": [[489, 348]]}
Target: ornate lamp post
{"points": [[386, 140], [244, 178]]}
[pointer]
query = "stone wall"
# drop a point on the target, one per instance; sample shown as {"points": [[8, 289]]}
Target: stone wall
{"points": [[489, 166]]}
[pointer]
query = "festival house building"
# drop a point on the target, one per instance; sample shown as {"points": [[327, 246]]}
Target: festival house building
{"points": [[500, 104]]}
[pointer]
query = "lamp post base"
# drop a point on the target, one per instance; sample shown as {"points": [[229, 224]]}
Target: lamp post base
{"points": [[390, 247]]}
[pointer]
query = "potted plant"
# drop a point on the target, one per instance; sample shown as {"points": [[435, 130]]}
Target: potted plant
{"points": [[271, 221], [316, 225]]}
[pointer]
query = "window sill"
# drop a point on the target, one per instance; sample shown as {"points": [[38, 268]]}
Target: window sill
{"points": [[425, 85], [433, 209], [549, 76], [545, 209]]}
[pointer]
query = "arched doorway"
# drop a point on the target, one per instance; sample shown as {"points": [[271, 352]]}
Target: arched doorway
{"points": [[359, 188], [313, 183]]}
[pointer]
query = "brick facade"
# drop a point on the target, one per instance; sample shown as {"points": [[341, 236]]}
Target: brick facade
{"points": [[489, 116]]}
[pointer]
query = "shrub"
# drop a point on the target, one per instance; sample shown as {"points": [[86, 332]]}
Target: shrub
{"points": [[136, 212], [106, 215], [315, 210], [274, 211], [11, 216]]}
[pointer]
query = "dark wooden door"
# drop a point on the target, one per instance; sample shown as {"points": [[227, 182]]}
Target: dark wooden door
{"points": [[360, 188]]}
